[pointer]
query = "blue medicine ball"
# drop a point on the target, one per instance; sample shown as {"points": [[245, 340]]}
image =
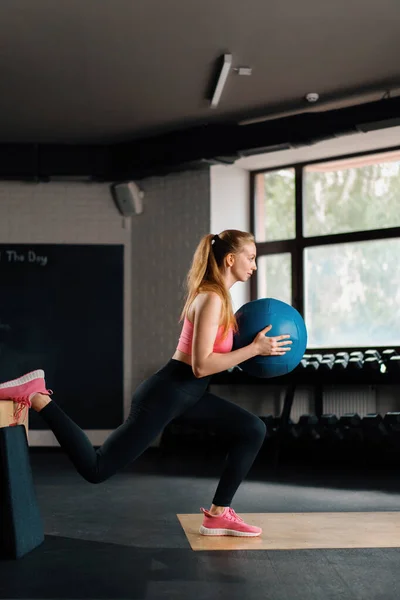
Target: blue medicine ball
{"points": [[254, 316]]}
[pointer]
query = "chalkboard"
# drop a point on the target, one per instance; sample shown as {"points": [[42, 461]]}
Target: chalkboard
{"points": [[61, 310]]}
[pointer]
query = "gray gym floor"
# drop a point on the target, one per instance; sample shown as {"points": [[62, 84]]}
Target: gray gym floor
{"points": [[121, 539]]}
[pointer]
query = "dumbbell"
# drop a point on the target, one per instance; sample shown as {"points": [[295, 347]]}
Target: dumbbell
{"points": [[389, 361], [327, 361], [304, 448], [276, 426], [284, 440], [372, 361], [341, 361], [372, 364], [328, 446], [388, 353], [307, 427], [350, 424], [313, 362], [393, 365], [372, 353], [377, 443], [328, 427], [304, 361], [392, 421], [352, 447], [355, 364], [355, 361], [374, 428], [288, 430]]}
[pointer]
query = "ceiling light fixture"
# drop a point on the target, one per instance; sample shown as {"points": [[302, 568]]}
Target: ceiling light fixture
{"points": [[223, 76]]}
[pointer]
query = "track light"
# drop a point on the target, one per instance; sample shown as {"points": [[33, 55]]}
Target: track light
{"points": [[223, 76]]}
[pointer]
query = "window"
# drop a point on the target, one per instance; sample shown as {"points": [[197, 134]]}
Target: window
{"points": [[328, 238], [275, 197], [274, 272], [352, 294], [353, 195]]}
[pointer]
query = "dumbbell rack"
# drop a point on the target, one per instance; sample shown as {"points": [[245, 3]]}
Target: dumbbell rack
{"points": [[349, 367]]}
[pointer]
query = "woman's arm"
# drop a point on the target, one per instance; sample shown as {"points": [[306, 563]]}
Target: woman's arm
{"points": [[205, 326]]}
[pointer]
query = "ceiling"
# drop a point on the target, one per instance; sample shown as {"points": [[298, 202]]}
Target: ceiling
{"points": [[105, 73], [90, 71]]}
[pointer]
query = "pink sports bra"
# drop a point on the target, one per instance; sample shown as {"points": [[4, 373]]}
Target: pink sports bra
{"points": [[220, 345]]}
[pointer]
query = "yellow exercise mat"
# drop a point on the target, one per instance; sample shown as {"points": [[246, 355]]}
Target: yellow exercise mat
{"points": [[8, 410], [296, 531]]}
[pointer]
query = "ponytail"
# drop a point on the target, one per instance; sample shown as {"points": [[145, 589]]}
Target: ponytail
{"points": [[205, 274]]}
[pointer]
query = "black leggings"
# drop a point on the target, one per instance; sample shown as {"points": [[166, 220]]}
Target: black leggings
{"points": [[167, 394]]}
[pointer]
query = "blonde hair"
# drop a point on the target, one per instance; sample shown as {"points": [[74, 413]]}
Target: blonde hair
{"points": [[205, 274]]}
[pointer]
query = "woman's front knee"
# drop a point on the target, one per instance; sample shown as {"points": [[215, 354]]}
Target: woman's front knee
{"points": [[261, 428], [256, 429]]}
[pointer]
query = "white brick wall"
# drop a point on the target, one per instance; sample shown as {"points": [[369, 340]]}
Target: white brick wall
{"points": [[73, 213]]}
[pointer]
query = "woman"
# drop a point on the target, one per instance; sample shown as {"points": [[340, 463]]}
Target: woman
{"points": [[180, 387]]}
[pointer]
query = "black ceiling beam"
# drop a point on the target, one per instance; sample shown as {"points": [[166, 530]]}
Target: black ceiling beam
{"points": [[190, 148]]}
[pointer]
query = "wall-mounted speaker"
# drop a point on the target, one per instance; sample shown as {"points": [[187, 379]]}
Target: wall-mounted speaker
{"points": [[128, 197]]}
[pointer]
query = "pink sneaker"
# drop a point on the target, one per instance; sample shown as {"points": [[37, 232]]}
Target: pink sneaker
{"points": [[227, 523], [22, 389]]}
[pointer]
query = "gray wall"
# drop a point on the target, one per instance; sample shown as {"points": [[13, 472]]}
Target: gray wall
{"points": [[164, 237]]}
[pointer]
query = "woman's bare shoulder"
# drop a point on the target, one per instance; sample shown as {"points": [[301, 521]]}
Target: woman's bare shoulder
{"points": [[205, 300], [208, 296]]}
